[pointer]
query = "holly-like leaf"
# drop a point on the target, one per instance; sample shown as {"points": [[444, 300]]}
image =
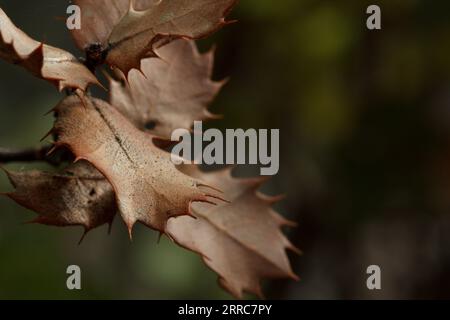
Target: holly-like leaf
{"points": [[99, 17], [242, 240], [78, 196], [52, 64], [139, 33], [148, 187], [171, 92]]}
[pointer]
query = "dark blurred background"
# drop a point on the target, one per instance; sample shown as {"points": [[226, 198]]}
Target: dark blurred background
{"points": [[365, 155]]}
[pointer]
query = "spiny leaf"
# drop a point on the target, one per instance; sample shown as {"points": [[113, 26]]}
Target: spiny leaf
{"points": [[139, 33], [172, 92], [78, 196], [242, 240], [98, 18], [148, 187], [49, 63]]}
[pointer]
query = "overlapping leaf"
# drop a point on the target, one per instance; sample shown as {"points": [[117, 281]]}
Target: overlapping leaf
{"points": [[99, 17], [242, 240], [120, 167], [49, 63], [148, 187], [78, 196], [139, 33], [171, 92]]}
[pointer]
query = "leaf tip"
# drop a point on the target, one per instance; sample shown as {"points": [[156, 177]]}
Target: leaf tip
{"points": [[130, 230], [48, 134], [83, 236], [55, 147]]}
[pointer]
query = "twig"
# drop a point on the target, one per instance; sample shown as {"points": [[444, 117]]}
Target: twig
{"points": [[29, 155]]}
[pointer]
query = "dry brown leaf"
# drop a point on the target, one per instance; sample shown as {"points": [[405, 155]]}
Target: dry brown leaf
{"points": [[98, 18], [242, 241], [52, 64], [78, 196], [148, 187], [171, 92], [139, 33]]}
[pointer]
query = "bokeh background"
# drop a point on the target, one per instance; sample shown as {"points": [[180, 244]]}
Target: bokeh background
{"points": [[365, 155]]}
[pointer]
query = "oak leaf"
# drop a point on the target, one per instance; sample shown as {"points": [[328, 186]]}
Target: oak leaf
{"points": [[148, 187], [49, 63], [139, 33], [98, 19], [242, 240], [171, 92], [78, 196]]}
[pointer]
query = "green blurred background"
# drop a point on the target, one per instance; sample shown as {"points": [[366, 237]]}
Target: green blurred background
{"points": [[365, 155]]}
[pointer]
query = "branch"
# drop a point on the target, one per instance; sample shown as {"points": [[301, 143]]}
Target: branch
{"points": [[28, 155]]}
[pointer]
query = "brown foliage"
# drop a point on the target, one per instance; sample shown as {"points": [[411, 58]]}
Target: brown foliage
{"points": [[78, 196], [240, 240], [171, 92], [148, 187], [49, 63], [119, 168]]}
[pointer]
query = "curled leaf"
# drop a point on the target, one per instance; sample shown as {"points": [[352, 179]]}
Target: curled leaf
{"points": [[139, 33], [78, 196], [49, 63], [242, 240], [171, 92], [148, 187]]}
